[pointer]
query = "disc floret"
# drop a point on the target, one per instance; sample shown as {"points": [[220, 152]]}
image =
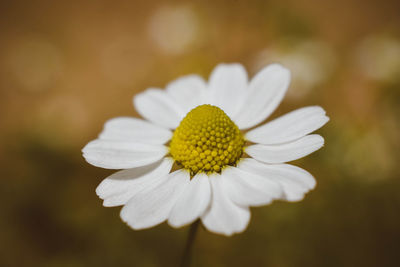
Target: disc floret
{"points": [[206, 140]]}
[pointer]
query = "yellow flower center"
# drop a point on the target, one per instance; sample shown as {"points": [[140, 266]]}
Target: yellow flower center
{"points": [[206, 140]]}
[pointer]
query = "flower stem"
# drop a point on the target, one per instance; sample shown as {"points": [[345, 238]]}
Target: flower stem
{"points": [[187, 254]]}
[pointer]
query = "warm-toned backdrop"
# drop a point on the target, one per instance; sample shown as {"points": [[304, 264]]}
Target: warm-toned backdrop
{"points": [[68, 66]]}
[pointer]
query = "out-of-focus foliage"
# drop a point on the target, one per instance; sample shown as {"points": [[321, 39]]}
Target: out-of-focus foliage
{"points": [[67, 66]]}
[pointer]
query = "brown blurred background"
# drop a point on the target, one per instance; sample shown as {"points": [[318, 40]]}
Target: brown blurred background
{"points": [[68, 66]]}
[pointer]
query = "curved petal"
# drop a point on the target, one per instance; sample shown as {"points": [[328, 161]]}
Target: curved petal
{"points": [[134, 130], [295, 181], [286, 152], [227, 86], [188, 91], [121, 186], [266, 91], [111, 154], [289, 127], [192, 203], [153, 205], [248, 189], [158, 107], [224, 217]]}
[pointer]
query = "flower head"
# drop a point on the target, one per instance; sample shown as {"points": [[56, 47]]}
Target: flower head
{"points": [[220, 170]]}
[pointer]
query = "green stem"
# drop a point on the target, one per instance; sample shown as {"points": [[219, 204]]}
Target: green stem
{"points": [[187, 254]]}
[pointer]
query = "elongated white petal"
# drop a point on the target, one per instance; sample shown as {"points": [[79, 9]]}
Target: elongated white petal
{"points": [[135, 130], [227, 85], [118, 188], [266, 91], [158, 107], [289, 127], [192, 203], [248, 189], [286, 152], [188, 91], [153, 205], [295, 181], [224, 216], [111, 154]]}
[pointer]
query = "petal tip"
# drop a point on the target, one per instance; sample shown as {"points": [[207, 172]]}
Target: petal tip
{"points": [[176, 224]]}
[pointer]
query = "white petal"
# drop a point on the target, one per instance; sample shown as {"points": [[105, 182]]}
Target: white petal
{"points": [[153, 205], [158, 107], [289, 127], [111, 154], [295, 181], [192, 203], [135, 130], [188, 91], [247, 189], [118, 188], [266, 91], [286, 152], [224, 216], [227, 85]]}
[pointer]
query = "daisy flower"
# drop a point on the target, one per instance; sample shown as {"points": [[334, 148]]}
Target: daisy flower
{"points": [[196, 154]]}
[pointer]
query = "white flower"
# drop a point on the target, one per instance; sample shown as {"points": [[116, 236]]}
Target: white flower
{"points": [[215, 182]]}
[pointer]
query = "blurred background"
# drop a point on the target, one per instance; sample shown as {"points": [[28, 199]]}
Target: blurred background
{"points": [[68, 66]]}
